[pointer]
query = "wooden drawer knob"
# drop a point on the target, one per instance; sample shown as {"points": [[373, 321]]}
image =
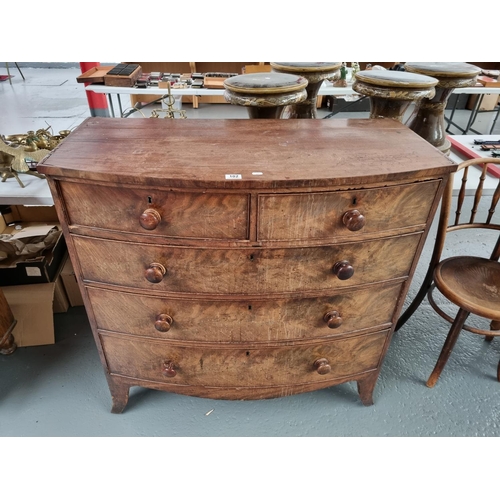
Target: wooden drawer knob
{"points": [[354, 220], [163, 322], [150, 219], [155, 272], [333, 319], [322, 367], [343, 270], [169, 369]]}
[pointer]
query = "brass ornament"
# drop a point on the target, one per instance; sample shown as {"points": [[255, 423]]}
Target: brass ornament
{"points": [[19, 153], [169, 111]]}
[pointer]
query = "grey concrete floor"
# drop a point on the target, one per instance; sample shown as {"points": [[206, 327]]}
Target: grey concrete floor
{"points": [[60, 390]]}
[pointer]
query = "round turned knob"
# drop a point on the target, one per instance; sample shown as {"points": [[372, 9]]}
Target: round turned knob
{"points": [[333, 319], [155, 272], [163, 322], [322, 367], [354, 220], [149, 219], [343, 270], [169, 369]]}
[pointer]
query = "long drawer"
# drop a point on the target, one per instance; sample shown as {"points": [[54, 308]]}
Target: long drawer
{"points": [[156, 212], [257, 320], [159, 361], [244, 271], [309, 216]]}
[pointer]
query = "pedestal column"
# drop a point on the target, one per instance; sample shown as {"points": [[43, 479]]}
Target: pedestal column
{"points": [[427, 119], [391, 92], [315, 73], [265, 95]]}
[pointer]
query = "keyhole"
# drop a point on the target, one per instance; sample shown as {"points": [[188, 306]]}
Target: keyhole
{"points": [[248, 353], [150, 199], [354, 201], [249, 308], [251, 257]]}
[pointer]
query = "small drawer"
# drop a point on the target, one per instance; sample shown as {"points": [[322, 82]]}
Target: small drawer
{"points": [[245, 271], [246, 366], [340, 214], [154, 212], [264, 320]]}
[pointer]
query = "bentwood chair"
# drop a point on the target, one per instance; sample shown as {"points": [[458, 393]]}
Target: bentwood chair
{"points": [[470, 282]]}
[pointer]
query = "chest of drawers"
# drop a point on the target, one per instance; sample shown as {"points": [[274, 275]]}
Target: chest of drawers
{"points": [[244, 259]]}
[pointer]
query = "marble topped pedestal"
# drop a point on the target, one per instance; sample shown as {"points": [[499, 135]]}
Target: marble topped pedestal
{"points": [[315, 73], [427, 120], [391, 92], [265, 94]]}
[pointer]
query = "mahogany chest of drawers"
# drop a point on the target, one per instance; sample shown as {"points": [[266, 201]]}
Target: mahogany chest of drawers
{"points": [[244, 259]]}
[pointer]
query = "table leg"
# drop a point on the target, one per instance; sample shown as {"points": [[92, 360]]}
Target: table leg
{"points": [[120, 104], [495, 120], [110, 100], [473, 114]]}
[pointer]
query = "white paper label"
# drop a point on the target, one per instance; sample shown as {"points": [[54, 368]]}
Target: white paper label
{"points": [[233, 176], [33, 271]]}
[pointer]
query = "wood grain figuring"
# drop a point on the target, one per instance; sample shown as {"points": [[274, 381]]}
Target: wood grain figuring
{"points": [[247, 271], [244, 366], [188, 215], [251, 320], [320, 215], [199, 153], [473, 282], [244, 259]]}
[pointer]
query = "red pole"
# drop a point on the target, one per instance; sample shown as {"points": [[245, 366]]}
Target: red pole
{"points": [[97, 102]]}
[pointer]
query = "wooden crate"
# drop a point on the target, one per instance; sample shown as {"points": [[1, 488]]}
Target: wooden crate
{"points": [[94, 75], [123, 80]]}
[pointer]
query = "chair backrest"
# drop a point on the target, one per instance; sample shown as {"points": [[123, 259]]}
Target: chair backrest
{"points": [[462, 219], [465, 219]]}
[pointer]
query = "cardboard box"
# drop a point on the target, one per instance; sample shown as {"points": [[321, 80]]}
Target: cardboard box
{"points": [[33, 306], [488, 103], [70, 283], [41, 268], [61, 301]]}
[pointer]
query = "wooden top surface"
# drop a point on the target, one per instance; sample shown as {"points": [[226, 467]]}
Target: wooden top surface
{"points": [[265, 83], [444, 69], [203, 153], [396, 79], [305, 67]]}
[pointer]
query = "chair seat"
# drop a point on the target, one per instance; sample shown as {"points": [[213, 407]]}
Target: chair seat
{"points": [[473, 283]]}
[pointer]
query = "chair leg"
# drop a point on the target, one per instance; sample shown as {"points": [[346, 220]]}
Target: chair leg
{"points": [[494, 325], [449, 343], [417, 300]]}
